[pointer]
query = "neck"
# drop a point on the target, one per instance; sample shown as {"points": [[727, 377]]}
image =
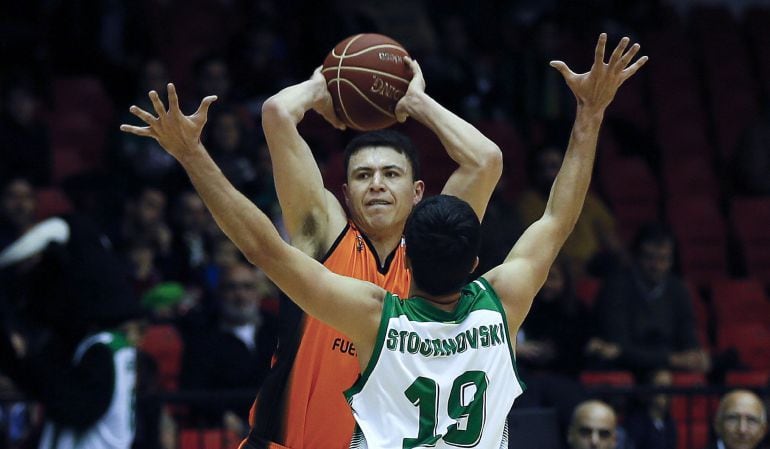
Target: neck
{"points": [[446, 302], [384, 245]]}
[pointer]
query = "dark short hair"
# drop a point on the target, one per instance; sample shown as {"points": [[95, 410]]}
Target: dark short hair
{"points": [[655, 233], [443, 236], [385, 138]]}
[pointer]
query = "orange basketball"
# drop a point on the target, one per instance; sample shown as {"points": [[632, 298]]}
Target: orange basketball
{"points": [[366, 75]]}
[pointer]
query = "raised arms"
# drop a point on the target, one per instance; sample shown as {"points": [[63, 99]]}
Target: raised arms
{"points": [[525, 269], [480, 160], [351, 306]]}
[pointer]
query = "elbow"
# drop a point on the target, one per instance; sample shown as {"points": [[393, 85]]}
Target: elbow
{"points": [[274, 111], [491, 160]]}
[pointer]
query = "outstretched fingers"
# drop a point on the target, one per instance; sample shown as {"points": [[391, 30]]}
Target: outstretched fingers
{"points": [[618, 53], [599, 51], [173, 99], [143, 131], [203, 109], [629, 55], [157, 104], [627, 73], [143, 115]]}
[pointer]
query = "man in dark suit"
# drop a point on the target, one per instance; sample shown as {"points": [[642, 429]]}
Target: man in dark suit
{"points": [[234, 352]]}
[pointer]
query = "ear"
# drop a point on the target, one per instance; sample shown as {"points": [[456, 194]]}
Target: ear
{"points": [[419, 190], [345, 195], [475, 264]]}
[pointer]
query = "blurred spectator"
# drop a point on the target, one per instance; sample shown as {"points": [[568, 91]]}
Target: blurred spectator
{"points": [[500, 228], [557, 327], [139, 160], [262, 63], [234, 152], [76, 355], [235, 352], [549, 346], [644, 313], [593, 426], [25, 148], [141, 258], [751, 162], [17, 209], [741, 421], [192, 240], [144, 220], [649, 424], [593, 246]]}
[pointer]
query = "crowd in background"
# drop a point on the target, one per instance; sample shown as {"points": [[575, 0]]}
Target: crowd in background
{"points": [[619, 298]]}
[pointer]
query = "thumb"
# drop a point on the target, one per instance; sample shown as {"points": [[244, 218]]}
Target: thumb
{"points": [[561, 67], [203, 109]]}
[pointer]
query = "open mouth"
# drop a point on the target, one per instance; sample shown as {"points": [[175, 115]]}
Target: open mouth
{"points": [[377, 203]]}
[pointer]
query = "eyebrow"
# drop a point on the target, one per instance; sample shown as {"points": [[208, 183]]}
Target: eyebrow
{"points": [[385, 167]]}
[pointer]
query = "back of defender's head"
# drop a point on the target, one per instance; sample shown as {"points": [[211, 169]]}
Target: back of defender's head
{"points": [[442, 242], [385, 138]]}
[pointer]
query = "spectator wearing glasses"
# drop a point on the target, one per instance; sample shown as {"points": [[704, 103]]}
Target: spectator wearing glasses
{"points": [[741, 421], [234, 352]]}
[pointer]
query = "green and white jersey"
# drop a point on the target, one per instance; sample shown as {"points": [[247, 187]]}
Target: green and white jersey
{"points": [[438, 379], [116, 428]]}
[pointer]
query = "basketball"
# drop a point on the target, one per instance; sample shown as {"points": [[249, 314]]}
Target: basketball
{"points": [[366, 75]]}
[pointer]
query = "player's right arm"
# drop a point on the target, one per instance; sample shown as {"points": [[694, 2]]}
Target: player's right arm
{"points": [[313, 216], [525, 270], [349, 305]]}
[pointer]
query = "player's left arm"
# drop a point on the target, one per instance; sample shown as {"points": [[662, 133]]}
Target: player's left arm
{"points": [[524, 271], [480, 160], [349, 305]]}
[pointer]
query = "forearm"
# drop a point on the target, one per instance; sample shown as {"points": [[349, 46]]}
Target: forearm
{"points": [[243, 223], [571, 185], [294, 101], [465, 144], [297, 178]]}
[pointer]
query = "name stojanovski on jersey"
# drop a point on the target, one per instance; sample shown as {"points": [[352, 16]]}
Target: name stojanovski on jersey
{"points": [[438, 379]]}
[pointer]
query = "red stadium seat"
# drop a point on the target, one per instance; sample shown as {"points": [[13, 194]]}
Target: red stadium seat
{"points": [[750, 219], [680, 404], [740, 302], [756, 379], [751, 340], [701, 233], [52, 201], [207, 439], [693, 436], [607, 378], [164, 344]]}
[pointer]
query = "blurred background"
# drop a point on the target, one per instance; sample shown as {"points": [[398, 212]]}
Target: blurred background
{"points": [[684, 150]]}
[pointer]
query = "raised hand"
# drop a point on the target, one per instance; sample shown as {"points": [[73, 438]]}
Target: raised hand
{"points": [[323, 103], [416, 86], [177, 133], [597, 87]]}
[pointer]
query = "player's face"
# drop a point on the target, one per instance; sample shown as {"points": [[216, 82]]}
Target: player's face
{"points": [[594, 428], [741, 425], [380, 191]]}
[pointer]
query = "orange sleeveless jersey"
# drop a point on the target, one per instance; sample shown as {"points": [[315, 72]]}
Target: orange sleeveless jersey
{"points": [[315, 413]]}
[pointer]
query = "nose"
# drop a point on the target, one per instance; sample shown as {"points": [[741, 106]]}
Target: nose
{"points": [[595, 440], [743, 425], [377, 181]]}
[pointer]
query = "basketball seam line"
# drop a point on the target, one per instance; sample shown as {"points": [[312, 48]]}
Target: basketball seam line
{"points": [[373, 47], [362, 69], [374, 105], [339, 69]]}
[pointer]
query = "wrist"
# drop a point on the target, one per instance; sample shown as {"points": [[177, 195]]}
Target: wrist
{"points": [[415, 104]]}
